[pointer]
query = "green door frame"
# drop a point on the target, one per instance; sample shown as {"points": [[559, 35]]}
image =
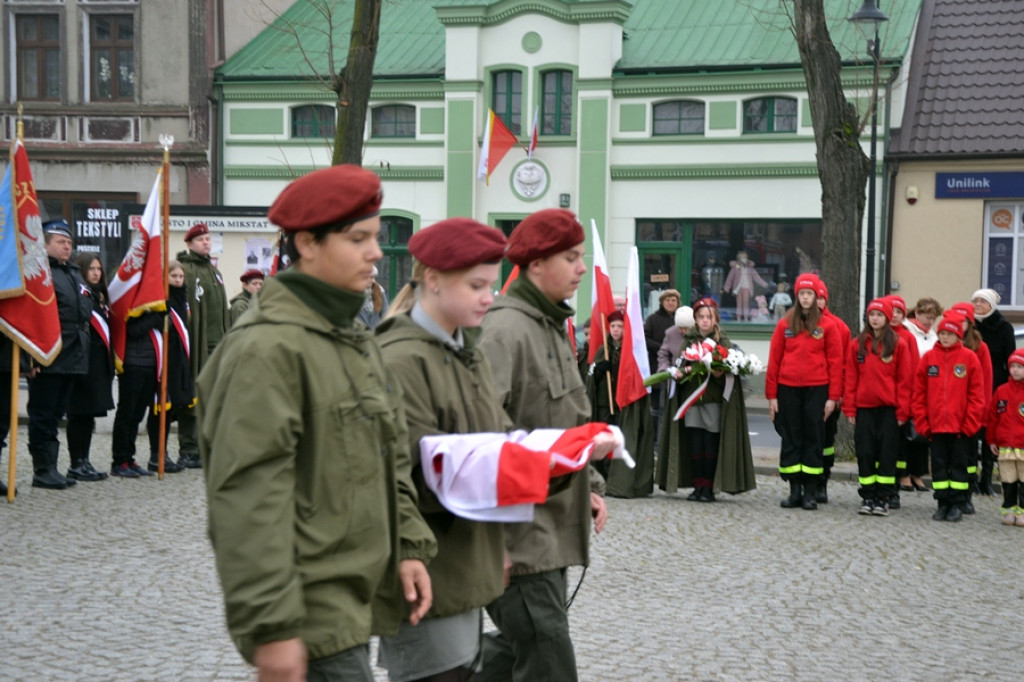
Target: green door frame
{"points": [[682, 250]]}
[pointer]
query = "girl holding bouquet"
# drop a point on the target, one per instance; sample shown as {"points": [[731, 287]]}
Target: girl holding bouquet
{"points": [[877, 383], [803, 385], [708, 446]]}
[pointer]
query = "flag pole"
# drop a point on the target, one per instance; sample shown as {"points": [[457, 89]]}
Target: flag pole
{"points": [[12, 451], [167, 142], [608, 376]]}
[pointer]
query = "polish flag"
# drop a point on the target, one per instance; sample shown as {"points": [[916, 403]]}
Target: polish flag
{"points": [[601, 301], [501, 476], [533, 134], [498, 139], [138, 285], [634, 366]]}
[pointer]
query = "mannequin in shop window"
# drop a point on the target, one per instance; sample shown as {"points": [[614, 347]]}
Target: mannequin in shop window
{"points": [[711, 277], [740, 283]]}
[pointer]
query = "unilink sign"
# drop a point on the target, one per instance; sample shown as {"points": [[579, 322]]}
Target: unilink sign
{"points": [[998, 185]]}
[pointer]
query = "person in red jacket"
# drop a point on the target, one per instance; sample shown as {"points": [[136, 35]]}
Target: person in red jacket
{"points": [[948, 405], [803, 386], [972, 341], [912, 462], [1005, 433], [832, 423], [876, 400]]}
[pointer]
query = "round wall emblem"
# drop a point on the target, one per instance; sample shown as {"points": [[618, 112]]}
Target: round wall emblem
{"points": [[529, 180]]}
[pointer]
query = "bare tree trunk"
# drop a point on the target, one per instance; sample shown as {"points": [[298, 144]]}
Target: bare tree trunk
{"points": [[354, 82], [843, 167]]}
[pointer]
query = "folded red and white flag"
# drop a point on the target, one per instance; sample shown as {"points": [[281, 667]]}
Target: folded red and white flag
{"points": [[501, 476]]}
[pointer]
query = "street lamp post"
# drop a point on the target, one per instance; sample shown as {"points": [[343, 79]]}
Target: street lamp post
{"points": [[870, 17]]}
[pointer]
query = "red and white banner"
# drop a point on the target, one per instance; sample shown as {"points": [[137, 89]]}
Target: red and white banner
{"points": [[533, 134], [30, 319], [602, 304], [501, 476], [498, 139], [138, 285], [634, 365]]}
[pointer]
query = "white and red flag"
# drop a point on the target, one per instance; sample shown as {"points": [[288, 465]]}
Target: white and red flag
{"points": [[533, 134], [30, 319], [498, 139], [138, 285], [602, 303], [501, 476], [634, 366]]}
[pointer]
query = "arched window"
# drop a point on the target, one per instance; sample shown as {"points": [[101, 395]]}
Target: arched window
{"points": [[556, 104], [769, 115], [680, 117], [313, 120], [507, 99], [393, 120]]}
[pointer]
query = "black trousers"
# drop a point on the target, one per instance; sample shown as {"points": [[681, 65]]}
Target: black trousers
{"points": [[48, 397], [877, 440], [137, 387], [800, 422], [949, 467], [5, 408], [829, 451], [704, 453]]}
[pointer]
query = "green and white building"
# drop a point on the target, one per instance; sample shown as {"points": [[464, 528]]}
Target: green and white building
{"points": [[679, 126]]}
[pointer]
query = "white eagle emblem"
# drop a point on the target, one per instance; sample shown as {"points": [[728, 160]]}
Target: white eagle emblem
{"points": [[135, 258], [34, 261]]}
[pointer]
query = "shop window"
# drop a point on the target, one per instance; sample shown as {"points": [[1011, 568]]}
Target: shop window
{"points": [[393, 120], [38, 56], [395, 268], [313, 120], [507, 99], [112, 56], [680, 117], [1004, 251], [769, 115], [556, 104], [697, 256]]}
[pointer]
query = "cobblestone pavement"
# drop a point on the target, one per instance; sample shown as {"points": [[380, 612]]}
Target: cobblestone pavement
{"points": [[115, 581]]}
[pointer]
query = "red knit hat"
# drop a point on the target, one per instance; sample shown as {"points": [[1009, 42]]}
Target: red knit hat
{"points": [[250, 275], [807, 280], [897, 302], [195, 231], [457, 243], [883, 306], [542, 234], [965, 309], [821, 290], [1016, 356], [951, 322], [338, 196]]}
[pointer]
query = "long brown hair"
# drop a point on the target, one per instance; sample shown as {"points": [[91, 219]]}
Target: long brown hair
{"points": [[798, 322], [883, 345], [84, 260], [972, 337]]}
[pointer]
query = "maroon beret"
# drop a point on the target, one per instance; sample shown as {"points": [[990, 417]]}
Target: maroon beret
{"points": [[339, 195], [195, 231], [542, 234], [251, 274], [457, 243]]}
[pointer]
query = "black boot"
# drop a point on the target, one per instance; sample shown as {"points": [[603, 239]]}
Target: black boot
{"points": [[955, 513], [810, 494], [985, 484], [941, 512], [170, 466], [706, 495], [43, 475], [795, 498], [83, 470], [821, 495], [966, 507], [4, 489]]}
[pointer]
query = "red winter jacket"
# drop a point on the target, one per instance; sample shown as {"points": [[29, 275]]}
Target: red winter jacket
{"points": [[908, 336], [1006, 416], [985, 358], [873, 381], [807, 359], [949, 392]]}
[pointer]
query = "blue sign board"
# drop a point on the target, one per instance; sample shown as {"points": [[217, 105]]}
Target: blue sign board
{"points": [[995, 185]]}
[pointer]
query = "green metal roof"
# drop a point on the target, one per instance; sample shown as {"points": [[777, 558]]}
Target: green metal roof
{"points": [[661, 35]]}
